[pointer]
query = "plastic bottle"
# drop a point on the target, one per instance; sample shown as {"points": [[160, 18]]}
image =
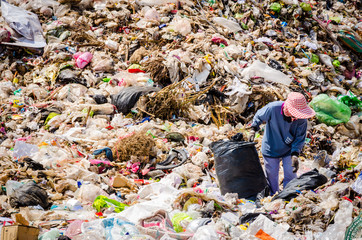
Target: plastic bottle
{"points": [[82, 59]]}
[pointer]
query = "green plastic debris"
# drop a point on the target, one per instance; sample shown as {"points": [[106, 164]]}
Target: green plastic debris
{"points": [[85, 110], [134, 66], [335, 19], [276, 7], [306, 7], [330, 111], [351, 101], [354, 231], [314, 58], [50, 116], [104, 202], [238, 16], [244, 26], [177, 218], [106, 79], [336, 63]]}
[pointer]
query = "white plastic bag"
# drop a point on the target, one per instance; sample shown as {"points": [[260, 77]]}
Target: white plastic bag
{"points": [[23, 149], [277, 231], [25, 23], [342, 219], [260, 69], [228, 24]]}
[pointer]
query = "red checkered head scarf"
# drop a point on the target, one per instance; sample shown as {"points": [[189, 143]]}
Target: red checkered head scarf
{"points": [[297, 106]]}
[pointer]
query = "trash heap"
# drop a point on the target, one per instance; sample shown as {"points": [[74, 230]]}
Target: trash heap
{"points": [[116, 117]]}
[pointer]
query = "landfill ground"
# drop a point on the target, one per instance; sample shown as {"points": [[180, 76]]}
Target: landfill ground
{"points": [[115, 116]]}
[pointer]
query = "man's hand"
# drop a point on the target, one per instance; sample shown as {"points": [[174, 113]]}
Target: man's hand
{"points": [[251, 135], [295, 163]]}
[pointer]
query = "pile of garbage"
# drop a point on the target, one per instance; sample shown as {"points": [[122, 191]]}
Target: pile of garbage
{"points": [[127, 119]]}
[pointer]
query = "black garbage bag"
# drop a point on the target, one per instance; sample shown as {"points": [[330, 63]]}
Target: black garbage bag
{"points": [[99, 99], [307, 181], [69, 76], [126, 99], [32, 164], [29, 194], [238, 168]]}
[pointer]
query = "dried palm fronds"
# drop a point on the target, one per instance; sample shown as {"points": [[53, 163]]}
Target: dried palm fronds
{"points": [[173, 101], [158, 70]]}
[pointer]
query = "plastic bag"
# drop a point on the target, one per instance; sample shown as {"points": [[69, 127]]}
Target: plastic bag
{"points": [[177, 220], [260, 69], [89, 192], [342, 219], [104, 202], [11, 186], [127, 98], [357, 185], [118, 228], [29, 194], [155, 2], [228, 24], [265, 227], [23, 149], [23, 22], [74, 228], [82, 59], [351, 40], [207, 232], [307, 181], [351, 100], [50, 235], [181, 25], [330, 111], [354, 231], [238, 168]]}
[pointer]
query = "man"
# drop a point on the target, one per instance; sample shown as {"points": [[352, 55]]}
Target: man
{"points": [[284, 136]]}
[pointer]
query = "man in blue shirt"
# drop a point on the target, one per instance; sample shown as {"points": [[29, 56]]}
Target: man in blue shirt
{"points": [[284, 136]]}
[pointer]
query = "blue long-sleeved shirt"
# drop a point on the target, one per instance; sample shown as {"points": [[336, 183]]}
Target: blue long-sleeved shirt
{"points": [[281, 138]]}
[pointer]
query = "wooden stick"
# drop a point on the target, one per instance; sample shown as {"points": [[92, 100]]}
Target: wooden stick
{"points": [[51, 95]]}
